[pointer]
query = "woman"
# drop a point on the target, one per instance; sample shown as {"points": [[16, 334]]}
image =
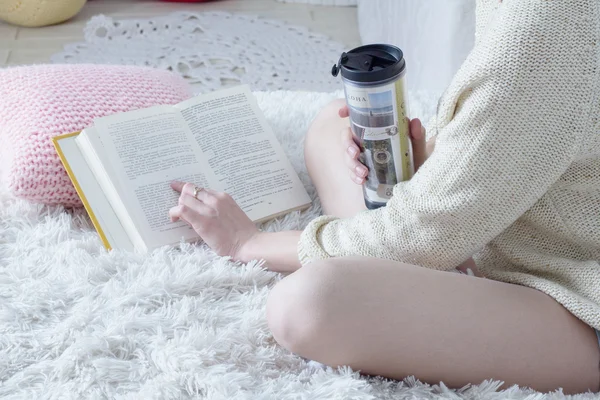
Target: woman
{"points": [[513, 181]]}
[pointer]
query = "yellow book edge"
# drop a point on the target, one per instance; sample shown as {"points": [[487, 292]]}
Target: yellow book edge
{"points": [[78, 189]]}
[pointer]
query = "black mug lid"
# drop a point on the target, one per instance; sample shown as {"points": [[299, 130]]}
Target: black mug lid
{"points": [[371, 63]]}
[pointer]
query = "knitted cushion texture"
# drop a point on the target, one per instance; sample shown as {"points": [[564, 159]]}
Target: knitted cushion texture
{"points": [[40, 102]]}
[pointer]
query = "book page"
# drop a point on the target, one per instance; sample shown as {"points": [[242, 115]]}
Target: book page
{"points": [[147, 150], [243, 152], [97, 205]]}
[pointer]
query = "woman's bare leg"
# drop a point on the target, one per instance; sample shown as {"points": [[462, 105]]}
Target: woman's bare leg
{"points": [[395, 320], [324, 156]]}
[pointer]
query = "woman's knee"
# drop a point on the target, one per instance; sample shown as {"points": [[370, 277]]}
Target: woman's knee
{"points": [[300, 308], [322, 125]]}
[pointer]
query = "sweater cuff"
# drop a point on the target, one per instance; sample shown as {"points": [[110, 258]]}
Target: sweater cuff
{"points": [[309, 246]]}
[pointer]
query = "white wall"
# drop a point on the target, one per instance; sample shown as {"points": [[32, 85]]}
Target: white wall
{"points": [[435, 35]]}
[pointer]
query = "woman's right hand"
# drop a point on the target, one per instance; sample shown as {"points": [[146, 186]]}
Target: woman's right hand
{"points": [[359, 172]]}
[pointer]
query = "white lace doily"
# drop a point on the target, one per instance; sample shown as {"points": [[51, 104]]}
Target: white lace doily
{"points": [[213, 49]]}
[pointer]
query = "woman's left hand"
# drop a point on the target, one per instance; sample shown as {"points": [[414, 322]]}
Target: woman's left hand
{"points": [[215, 217]]}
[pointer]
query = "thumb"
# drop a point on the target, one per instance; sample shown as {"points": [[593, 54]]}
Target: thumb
{"points": [[417, 138]]}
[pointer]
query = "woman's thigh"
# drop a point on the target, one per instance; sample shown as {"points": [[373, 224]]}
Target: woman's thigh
{"points": [[395, 320], [325, 161]]}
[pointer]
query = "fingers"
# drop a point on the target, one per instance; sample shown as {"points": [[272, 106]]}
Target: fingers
{"points": [[197, 206], [211, 198], [349, 144], [214, 199], [187, 214], [417, 138], [194, 209], [344, 112], [186, 188], [358, 172], [177, 186], [359, 180]]}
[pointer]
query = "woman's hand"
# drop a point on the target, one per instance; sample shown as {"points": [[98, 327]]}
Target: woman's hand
{"points": [[359, 172], [216, 218]]}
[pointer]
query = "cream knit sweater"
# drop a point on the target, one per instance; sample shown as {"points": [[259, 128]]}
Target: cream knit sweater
{"points": [[515, 175]]}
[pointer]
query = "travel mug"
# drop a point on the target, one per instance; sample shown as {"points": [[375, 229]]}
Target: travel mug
{"points": [[375, 89]]}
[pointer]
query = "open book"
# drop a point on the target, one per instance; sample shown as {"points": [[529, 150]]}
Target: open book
{"points": [[123, 165]]}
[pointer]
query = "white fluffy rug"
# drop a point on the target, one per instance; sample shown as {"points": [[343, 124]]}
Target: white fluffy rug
{"points": [[78, 322]]}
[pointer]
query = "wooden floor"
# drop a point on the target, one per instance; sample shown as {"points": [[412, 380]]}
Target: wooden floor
{"points": [[20, 46]]}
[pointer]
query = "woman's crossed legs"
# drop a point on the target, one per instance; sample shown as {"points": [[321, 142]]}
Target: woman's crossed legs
{"points": [[392, 319]]}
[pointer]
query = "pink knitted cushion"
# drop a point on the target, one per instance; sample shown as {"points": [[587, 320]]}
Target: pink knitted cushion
{"points": [[40, 102]]}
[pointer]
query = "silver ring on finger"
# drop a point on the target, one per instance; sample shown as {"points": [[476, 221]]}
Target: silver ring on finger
{"points": [[196, 191]]}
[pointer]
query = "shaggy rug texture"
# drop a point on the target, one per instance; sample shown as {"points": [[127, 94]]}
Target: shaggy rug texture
{"points": [[79, 322]]}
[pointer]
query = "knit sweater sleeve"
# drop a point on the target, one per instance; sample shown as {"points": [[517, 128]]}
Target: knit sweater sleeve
{"points": [[514, 125]]}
